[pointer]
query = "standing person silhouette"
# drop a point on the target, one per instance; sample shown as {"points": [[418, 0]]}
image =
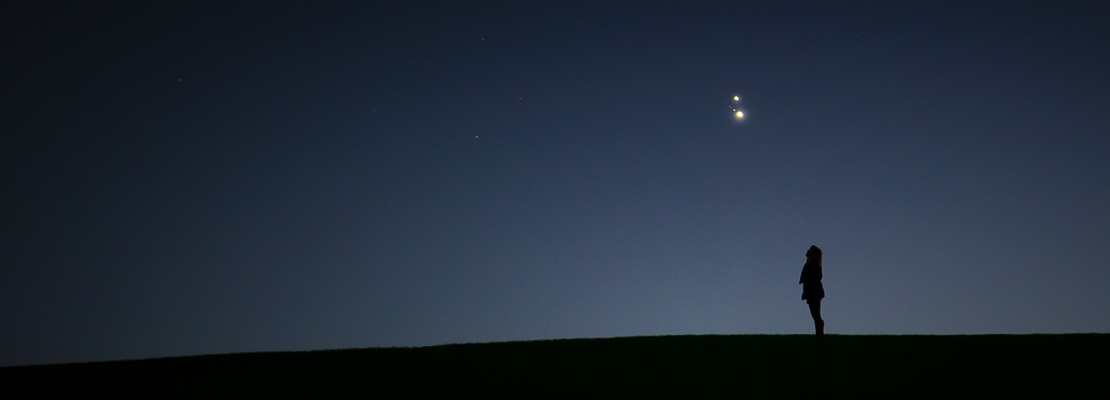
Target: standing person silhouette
{"points": [[812, 290]]}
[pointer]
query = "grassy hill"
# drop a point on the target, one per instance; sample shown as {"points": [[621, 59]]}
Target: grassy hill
{"points": [[701, 366]]}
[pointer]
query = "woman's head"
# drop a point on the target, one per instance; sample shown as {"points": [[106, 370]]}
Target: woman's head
{"points": [[814, 254]]}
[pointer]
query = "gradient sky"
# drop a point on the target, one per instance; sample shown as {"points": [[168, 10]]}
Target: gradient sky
{"points": [[202, 177]]}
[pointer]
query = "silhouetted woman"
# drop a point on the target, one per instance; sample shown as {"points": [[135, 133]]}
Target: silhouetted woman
{"points": [[812, 290]]}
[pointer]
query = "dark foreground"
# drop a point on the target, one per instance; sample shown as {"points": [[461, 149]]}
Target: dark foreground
{"points": [[753, 366]]}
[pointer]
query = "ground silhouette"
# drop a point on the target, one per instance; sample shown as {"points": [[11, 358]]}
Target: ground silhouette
{"points": [[759, 366]]}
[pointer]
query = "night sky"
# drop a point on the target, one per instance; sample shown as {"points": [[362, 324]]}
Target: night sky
{"points": [[203, 177]]}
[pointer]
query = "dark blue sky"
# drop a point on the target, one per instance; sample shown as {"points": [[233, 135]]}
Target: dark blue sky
{"points": [[192, 177]]}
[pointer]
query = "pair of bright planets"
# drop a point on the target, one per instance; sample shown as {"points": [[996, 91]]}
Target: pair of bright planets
{"points": [[735, 107]]}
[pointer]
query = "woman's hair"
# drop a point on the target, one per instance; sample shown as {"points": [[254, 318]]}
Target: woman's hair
{"points": [[814, 255]]}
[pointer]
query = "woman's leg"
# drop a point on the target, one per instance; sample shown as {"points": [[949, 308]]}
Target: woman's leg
{"points": [[815, 312]]}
